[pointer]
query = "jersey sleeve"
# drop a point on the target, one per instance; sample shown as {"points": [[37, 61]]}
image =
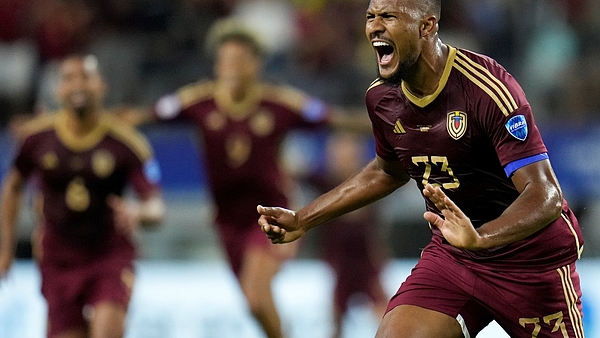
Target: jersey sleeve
{"points": [[176, 106], [383, 148], [23, 160], [143, 171], [145, 177], [301, 109], [516, 137], [377, 104], [506, 114]]}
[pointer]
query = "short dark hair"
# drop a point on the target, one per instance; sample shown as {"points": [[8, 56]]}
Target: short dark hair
{"points": [[431, 7]]}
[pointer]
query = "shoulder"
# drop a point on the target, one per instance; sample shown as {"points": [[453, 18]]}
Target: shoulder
{"points": [[131, 138], [36, 126], [286, 96], [377, 90], [195, 92], [489, 80]]}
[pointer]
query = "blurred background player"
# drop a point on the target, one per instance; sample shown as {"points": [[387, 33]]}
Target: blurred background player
{"points": [[242, 122], [351, 244], [82, 162]]}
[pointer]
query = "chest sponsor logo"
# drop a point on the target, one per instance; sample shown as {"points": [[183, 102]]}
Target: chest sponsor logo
{"points": [[103, 163], [517, 127], [456, 124]]}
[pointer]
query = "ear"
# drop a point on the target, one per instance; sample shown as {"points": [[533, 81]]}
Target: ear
{"points": [[428, 27]]}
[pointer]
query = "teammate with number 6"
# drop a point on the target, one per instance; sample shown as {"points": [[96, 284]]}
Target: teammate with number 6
{"points": [[82, 161], [504, 241]]}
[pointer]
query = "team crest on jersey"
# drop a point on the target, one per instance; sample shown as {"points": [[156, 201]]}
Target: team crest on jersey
{"points": [[262, 123], [49, 160], [456, 124], [238, 148], [215, 121], [517, 127], [103, 163]]}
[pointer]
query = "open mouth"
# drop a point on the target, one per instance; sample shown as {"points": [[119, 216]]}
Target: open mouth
{"points": [[384, 51]]}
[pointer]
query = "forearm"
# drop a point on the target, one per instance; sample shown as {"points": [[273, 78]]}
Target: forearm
{"points": [[536, 207], [9, 209], [367, 186]]}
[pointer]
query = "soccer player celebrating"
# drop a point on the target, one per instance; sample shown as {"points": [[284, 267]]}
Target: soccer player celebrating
{"points": [[504, 241], [83, 162]]}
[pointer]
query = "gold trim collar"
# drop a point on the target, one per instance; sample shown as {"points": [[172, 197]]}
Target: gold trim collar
{"points": [[238, 111], [80, 143], [425, 100]]}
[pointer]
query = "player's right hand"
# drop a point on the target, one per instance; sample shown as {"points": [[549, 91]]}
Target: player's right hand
{"points": [[279, 224]]}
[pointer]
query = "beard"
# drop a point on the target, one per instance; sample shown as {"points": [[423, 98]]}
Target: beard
{"points": [[405, 67]]}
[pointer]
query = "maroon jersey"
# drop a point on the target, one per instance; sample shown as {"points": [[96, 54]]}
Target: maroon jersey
{"points": [[241, 141], [76, 176], [469, 137]]}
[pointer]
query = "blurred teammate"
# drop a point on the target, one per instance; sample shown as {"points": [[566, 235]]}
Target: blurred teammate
{"points": [[356, 255], [82, 162], [242, 122], [504, 241]]}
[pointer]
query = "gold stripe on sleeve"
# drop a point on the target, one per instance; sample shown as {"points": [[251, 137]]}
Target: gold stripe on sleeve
{"points": [[195, 92], [493, 81], [133, 139], [486, 89], [375, 83]]}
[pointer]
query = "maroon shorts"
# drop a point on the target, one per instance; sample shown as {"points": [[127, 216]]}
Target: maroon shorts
{"points": [[239, 238], [525, 304], [68, 290]]}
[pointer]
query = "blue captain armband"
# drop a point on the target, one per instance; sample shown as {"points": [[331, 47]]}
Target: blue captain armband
{"points": [[510, 168]]}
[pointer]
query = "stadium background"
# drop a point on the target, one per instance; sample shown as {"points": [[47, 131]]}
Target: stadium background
{"points": [[150, 47]]}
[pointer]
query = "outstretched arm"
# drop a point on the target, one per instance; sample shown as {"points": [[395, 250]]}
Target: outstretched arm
{"points": [[12, 191], [376, 180], [129, 215], [538, 204], [133, 116]]}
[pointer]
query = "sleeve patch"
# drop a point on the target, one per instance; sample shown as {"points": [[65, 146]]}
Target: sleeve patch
{"points": [[152, 171], [517, 127]]}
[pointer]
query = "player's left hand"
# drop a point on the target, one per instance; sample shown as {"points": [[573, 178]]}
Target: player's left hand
{"points": [[126, 215], [455, 226]]}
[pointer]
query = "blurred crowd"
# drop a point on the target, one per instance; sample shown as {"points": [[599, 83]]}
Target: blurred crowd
{"points": [[150, 47]]}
